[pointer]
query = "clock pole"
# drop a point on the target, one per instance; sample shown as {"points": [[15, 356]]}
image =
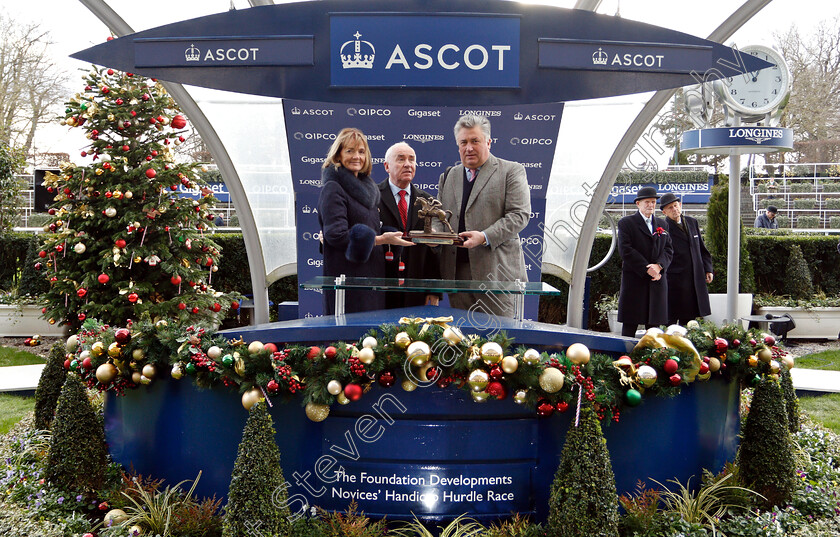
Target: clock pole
{"points": [[733, 275]]}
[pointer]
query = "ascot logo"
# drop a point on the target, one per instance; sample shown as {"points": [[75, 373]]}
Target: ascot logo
{"points": [[360, 57], [599, 57], [192, 54]]}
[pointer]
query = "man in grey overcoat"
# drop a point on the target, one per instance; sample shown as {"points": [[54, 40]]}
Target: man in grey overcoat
{"points": [[490, 203]]}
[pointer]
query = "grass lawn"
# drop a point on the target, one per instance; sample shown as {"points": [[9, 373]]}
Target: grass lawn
{"points": [[12, 409], [10, 356], [827, 360], [824, 409]]}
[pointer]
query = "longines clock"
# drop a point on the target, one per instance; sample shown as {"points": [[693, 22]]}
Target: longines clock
{"points": [[756, 93]]}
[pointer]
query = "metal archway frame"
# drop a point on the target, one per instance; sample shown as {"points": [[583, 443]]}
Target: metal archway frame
{"points": [[253, 248], [599, 199]]}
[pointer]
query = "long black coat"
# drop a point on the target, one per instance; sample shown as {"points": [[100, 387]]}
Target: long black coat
{"points": [[641, 300], [347, 200], [420, 261], [688, 296]]}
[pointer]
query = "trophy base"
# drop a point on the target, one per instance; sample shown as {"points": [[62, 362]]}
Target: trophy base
{"points": [[435, 239]]}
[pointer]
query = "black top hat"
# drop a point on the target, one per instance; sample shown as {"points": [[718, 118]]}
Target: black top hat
{"points": [[667, 199], [646, 192]]}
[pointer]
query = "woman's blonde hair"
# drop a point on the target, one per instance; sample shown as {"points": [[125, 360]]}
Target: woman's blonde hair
{"points": [[346, 137]]}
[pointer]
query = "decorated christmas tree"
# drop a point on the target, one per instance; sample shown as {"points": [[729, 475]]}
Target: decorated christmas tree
{"points": [[123, 240]]}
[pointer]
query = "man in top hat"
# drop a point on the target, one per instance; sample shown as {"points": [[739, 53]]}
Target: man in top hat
{"points": [[645, 248], [691, 267]]}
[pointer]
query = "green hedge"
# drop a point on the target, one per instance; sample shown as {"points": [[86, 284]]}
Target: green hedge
{"points": [[804, 203], [807, 222], [643, 178], [12, 258]]}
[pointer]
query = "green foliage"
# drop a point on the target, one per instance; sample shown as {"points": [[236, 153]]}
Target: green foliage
{"points": [[257, 487], [783, 221], [49, 387], [462, 526], [717, 232], [641, 513], [33, 283], [516, 526], [801, 187], [766, 458], [804, 203], [10, 186], [791, 401], [770, 253], [832, 203], [78, 453], [798, 282], [776, 202], [834, 222], [127, 195], [807, 222], [583, 499], [13, 248], [663, 177]]}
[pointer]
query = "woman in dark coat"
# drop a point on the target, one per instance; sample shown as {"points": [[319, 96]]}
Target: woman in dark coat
{"points": [[691, 269], [348, 211]]}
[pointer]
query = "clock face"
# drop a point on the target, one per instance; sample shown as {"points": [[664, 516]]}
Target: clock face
{"points": [[757, 92]]}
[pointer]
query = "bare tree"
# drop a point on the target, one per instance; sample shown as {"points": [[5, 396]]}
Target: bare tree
{"points": [[31, 83]]}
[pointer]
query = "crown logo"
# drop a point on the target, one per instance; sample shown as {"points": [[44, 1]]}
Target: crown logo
{"points": [[307, 209], [357, 54], [295, 111], [517, 116], [192, 54], [600, 57]]}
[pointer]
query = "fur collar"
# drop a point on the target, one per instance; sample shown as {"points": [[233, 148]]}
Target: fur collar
{"points": [[361, 188]]}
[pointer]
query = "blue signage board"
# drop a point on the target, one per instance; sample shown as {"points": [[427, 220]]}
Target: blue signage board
{"points": [[219, 191], [685, 192], [396, 50], [224, 51], [621, 56], [744, 139]]}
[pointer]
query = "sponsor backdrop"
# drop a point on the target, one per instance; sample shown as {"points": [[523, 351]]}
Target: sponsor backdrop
{"points": [[685, 192], [524, 133]]}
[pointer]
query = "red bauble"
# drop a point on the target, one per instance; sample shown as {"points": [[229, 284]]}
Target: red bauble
{"points": [[313, 353], [216, 307], [386, 379], [234, 305], [175, 280], [182, 306], [272, 386], [545, 409], [670, 366], [195, 309], [106, 90], [496, 372], [497, 390], [38, 266], [67, 364], [736, 343], [103, 278], [270, 347], [87, 364], [179, 122], [329, 352], [675, 379], [81, 292], [132, 297], [119, 243], [122, 336], [353, 392], [151, 173], [769, 340], [721, 344], [81, 316], [42, 254], [562, 406], [704, 368]]}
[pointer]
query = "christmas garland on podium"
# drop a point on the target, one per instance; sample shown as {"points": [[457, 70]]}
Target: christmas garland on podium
{"points": [[425, 352]]}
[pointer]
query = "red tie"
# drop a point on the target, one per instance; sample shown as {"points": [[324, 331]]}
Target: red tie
{"points": [[403, 207]]}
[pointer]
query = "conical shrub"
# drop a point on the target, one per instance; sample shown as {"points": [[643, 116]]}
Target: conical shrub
{"points": [[791, 401], [257, 492], [583, 501], [49, 387], [78, 454]]}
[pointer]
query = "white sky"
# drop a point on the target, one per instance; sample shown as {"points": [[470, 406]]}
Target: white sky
{"points": [[73, 28]]}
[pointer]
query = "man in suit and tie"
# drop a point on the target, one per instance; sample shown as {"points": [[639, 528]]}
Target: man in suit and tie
{"points": [[691, 268], [490, 203], [646, 252], [397, 211]]}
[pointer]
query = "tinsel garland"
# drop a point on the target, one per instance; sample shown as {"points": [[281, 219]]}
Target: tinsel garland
{"points": [[422, 351]]}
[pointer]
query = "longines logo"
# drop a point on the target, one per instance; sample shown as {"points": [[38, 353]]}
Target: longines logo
{"points": [[758, 135], [312, 111], [357, 54], [310, 182], [486, 113], [423, 138]]}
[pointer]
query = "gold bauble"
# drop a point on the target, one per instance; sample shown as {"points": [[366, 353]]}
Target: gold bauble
{"points": [[135, 377], [752, 361], [478, 380], [334, 387], [150, 371], [551, 380], [214, 352], [787, 359], [408, 386], [72, 343], [239, 364], [135, 530], [97, 348], [138, 354], [452, 335], [578, 354], [418, 352], [692, 325], [115, 516], [646, 375], [177, 372], [704, 376], [402, 340], [774, 366], [765, 355], [714, 365], [480, 397], [520, 396], [369, 342], [366, 355], [342, 399], [491, 352], [251, 397], [84, 354], [510, 364], [105, 373], [317, 412], [531, 356], [128, 194], [145, 380], [114, 350], [255, 347]]}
